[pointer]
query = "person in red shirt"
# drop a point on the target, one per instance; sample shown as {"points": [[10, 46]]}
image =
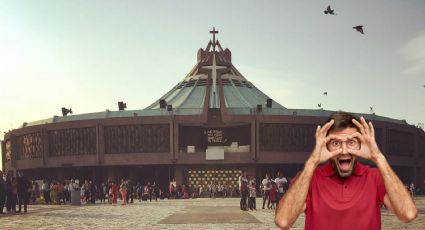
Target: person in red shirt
{"points": [[273, 195], [343, 193], [114, 192], [61, 196], [172, 189]]}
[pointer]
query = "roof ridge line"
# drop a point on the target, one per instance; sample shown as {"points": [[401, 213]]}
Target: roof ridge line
{"points": [[190, 93], [239, 94]]}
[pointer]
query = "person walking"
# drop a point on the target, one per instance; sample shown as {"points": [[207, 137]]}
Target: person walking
{"points": [[123, 190], [252, 194], [3, 191], [273, 195], [103, 192], [93, 192], [172, 189], [265, 187], [155, 191], [61, 193], [12, 194], [45, 188], [281, 183], [114, 192], [23, 186], [130, 191], [243, 188]]}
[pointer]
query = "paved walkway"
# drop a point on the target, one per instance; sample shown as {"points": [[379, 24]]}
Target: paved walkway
{"points": [[202, 213]]}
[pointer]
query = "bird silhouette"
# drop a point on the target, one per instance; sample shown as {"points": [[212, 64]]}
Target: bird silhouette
{"points": [[359, 28], [325, 93], [329, 11], [319, 105]]}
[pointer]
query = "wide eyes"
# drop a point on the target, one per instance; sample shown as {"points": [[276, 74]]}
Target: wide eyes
{"points": [[352, 143], [335, 143]]}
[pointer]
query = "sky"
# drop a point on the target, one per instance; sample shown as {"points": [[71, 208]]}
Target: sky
{"points": [[88, 55]]}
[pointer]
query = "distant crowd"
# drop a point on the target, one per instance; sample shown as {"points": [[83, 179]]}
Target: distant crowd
{"points": [[271, 191], [18, 192], [15, 191]]}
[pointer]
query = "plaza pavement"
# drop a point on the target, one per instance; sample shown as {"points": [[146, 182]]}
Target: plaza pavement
{"points": [[202, 213]]}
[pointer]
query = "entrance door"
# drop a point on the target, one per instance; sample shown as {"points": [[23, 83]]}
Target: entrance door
{"points": [[201, 178]]}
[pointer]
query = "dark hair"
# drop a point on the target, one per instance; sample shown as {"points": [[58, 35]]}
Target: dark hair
{"points": [[342, 120]]}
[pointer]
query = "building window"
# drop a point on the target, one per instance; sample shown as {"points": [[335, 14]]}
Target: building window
{"points": [[149, 138], [65, 142], [30, 146], [8, 150], [279, 137]]}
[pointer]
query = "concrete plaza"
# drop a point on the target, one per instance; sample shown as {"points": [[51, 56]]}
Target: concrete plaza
{"points": [[202, 213]]}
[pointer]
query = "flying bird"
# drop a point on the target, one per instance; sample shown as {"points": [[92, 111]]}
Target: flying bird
{"points": [[325, 93], [329, 11], [359, 28], [319, 105]]}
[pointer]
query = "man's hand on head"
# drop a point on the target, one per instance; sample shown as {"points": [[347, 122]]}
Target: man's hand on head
{"points": [[369, 149], [321, 153]]}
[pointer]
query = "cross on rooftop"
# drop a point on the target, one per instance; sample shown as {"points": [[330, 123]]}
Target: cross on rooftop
{"points": [[213, 32]]}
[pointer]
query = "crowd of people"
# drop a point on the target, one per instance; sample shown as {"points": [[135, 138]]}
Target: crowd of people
{"points": [[15, 191], [271, 191], [20, 191], [108, 192]]}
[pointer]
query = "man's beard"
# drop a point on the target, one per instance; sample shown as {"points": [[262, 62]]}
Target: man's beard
{"points": [[336, 164]]}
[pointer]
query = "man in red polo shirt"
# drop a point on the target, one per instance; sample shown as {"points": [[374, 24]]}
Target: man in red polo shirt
{"points": [[344, 194]]}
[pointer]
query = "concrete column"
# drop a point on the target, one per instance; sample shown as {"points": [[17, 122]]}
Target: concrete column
{"points": [[111, 173], [178, 174], [156, 177], [170, 172], [172, 141], [59, 174], [45, 138], [133, 172], [175, 146], [254, 141], [14, 141], [419, 177], [257, 139], [3, 154], [100, 144], [251, 170]]}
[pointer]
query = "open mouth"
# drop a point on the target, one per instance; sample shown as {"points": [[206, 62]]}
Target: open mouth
{"points": [[344, 164]]}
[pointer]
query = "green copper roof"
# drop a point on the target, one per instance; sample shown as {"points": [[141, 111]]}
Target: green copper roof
{"points": [[213, 80]]}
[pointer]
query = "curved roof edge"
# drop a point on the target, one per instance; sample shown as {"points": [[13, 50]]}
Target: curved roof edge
{"points": [[197, 111]]}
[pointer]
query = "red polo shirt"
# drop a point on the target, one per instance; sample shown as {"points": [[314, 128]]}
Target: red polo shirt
{"points": [[353, 203]]}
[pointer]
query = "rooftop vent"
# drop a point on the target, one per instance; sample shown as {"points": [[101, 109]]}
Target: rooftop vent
{"points": [[162, 103], [237, 83], [122, 106], [247, 84]]}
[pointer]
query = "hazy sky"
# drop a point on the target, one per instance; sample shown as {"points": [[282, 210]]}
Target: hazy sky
{"points": [[88, 55]]}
